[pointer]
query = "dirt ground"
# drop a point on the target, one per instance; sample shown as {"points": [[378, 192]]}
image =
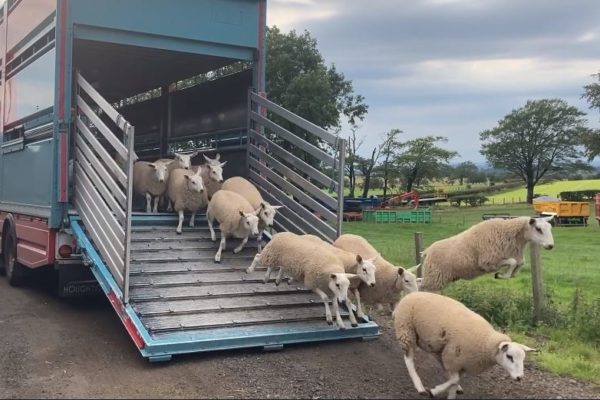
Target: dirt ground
{"points": [[77, 349]]}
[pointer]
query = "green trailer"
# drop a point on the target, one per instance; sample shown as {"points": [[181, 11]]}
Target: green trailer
{"points": [[415, 216]]}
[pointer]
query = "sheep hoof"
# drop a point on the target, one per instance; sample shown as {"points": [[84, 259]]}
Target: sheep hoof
{"points": [[178, 232], [329, 322], [427, 393], [354, 325], [460, 391]]}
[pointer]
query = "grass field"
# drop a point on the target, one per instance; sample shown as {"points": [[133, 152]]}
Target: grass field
{"points": [[569, 346], [550, 189]]}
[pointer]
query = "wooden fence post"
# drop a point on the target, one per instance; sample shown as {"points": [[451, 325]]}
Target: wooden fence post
{"points": [[418, 250], [539, 300]]}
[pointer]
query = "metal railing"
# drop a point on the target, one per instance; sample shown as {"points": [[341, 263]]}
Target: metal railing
{"points": [[277, 165], [103, 188]]}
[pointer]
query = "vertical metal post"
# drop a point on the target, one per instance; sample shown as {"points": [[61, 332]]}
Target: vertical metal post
{"points": [[340, 192], [249, 126], [418, 250], [539, 301], [130, 132]]}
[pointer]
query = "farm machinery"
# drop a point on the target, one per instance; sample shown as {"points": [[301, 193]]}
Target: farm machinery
{"points": [[565, 213]]}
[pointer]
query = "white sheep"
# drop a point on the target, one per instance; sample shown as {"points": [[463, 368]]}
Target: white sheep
{"points": [[212, 174], [486, 247], [391, 280], [235, 216], [187, 192], [248, 190], [150, 180], [180, 161], [461, 340], [321, 271]]}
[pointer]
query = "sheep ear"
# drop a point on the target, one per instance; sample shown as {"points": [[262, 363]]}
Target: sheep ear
{"points": [[333, 276], [503, 347], [241, 213], [206, 158], [549, 218], [359, 259], [400, 271], [223, 163], [153, 165], [194, 154], [531, 221], [187, 177], [169, 163], [262, 204], [278, 207], [527, 349], [217, 157]]}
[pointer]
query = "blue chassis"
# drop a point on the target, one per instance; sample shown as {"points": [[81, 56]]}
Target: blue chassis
{"points": [[165, 346]]}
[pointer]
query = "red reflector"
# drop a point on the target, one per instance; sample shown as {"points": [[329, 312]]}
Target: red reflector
{"points": [[65, 251]]}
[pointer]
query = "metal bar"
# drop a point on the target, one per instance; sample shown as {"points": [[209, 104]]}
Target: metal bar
{"points": [[102, 209], [294, 161], [130, 159], [102, 128], [293, 139], [104, 105], [114, 188], [302, 197], [340, 189], [293, 176], [294, 206], [248, 128], [110, 163], [301, 122], [84, 168]]}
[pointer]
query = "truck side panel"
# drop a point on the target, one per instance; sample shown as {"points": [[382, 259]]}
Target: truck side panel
{"points": [[36, 245]]}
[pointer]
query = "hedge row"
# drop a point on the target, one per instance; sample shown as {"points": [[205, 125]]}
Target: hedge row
{"points": [[579, 195]]}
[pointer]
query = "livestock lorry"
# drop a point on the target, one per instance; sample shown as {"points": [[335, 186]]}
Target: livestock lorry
{"points": [[88, 82]]}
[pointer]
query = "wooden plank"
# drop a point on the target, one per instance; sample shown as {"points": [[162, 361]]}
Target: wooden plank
{"points": [[190, 255], [198, 244], [239, 264], [196, 278]]}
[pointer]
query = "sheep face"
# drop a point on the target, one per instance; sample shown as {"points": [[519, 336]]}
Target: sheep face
{"points": [[339, 284], [184, 160], [539, 231], [194, 182], [406, 281], [215, 172], [250, 222], [511, 357], [366, 270], [161, 171], [266, 213]]}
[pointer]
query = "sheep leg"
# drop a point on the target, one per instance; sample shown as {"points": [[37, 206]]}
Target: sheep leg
{"points": [[241, 246], [353, 321], [359, 310], [222, 246], [409, 360], [459, 389], [267, 275], [192, 219], [255, 262], [338, 318], [517, 269], [156, 199], [452, 391], [279, 276], [511, 264], [213, 237], [148, 203], [180, 222], [169, 205], [444, 387], [325, 299], [259, 241]]}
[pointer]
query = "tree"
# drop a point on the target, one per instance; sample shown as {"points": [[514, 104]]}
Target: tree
{"points": [[466, 170], [422, 159], [353, 145], [389, 151], [534, 139], [366, 166], [298, 79], [591, 139]]}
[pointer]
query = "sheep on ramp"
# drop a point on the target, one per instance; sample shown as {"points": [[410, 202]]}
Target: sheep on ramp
{"points": [[391, 280], [187, 192], [484, 248], [150, 180], [248, 190], [321, 271], [235, 216], [461, 340], [180, 161], [212, 174]]}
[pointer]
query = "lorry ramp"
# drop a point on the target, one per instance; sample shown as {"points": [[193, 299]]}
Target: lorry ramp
{"points": [[181, 301]]}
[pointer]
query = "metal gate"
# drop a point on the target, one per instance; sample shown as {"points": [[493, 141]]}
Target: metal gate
{"points": [[103, 187]]}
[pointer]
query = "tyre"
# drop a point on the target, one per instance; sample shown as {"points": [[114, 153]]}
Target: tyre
{"points": [[14, 271]]}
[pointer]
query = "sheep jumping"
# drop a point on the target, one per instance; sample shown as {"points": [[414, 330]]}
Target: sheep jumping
{"points": [[322, 271], [150, 180], [187, 192], [461, 340], [391, 280], [484, 248], [235, 216], [248, 190]]}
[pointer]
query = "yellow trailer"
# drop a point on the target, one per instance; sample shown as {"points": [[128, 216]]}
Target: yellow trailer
{"points": [[564, 212]]}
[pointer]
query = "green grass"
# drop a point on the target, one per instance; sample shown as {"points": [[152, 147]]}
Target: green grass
{"points": [[569, 347], [550, 189]]}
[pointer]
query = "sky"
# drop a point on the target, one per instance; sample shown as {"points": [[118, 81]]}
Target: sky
{"points": [[451, 68]]}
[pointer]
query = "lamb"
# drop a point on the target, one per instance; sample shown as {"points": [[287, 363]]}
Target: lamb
{"points": [[212, 174], [248, 190], [320, 271], [483, 248], [181, 161], [236, 218], [461, 340], [150, 179], [391, 280], [186, 189]]}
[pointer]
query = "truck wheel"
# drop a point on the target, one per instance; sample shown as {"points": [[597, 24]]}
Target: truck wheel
{"points": [[14, 271]]}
